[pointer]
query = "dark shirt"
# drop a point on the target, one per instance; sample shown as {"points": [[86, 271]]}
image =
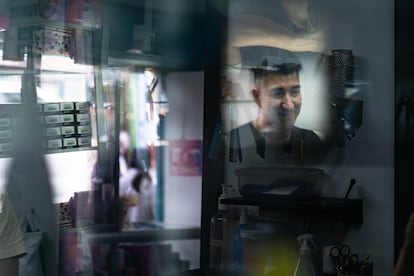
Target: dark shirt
{"points": [[304, 147]]}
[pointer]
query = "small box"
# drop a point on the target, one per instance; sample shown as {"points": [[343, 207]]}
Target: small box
{"points": [[53, 131], [83, 118], [5, 122], [86, 129], [6, 147], [69, 142], [52, 119], [51, 107], [84, 141], [6, 134], [69, 106], [68, 130], [67, 118], [82, 106], [54, 143]]}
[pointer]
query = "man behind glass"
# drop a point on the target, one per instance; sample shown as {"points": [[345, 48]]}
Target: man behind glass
{"points": [[272, 135]]}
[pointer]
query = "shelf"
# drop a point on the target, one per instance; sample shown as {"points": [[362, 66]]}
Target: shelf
{"points": [[350, 210], [53, 151], [54, 24], [121, 58], [15, 71], [69, 150], [144, 232]]}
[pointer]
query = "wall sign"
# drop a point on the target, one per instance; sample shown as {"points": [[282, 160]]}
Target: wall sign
{"points": [[185, 157]]}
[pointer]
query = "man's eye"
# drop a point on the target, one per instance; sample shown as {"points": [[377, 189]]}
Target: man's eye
{"points": [[277, 93], [295, 92]]}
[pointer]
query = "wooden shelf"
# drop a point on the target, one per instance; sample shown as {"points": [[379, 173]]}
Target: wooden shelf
{"points": [[334, 209]]}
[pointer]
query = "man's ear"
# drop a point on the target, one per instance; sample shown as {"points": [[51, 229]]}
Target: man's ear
{"points": [[256, 96]]}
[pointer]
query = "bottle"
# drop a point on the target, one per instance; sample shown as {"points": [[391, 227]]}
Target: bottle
{"points": [[304, 266], [218, 226]]}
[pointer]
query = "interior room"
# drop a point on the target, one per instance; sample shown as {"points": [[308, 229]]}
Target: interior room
{"points": [[207, 137]]}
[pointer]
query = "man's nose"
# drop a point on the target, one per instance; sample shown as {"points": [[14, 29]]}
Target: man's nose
{"points": [[287, 102]]}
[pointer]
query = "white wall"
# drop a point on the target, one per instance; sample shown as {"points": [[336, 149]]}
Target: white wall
{"points": [[184, 121], [182, 199]]}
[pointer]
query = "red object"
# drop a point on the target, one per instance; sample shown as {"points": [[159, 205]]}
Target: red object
{"points": [[185, 157]]}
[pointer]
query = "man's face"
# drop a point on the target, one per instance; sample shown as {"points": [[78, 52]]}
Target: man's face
{"points": [[279, 100]]}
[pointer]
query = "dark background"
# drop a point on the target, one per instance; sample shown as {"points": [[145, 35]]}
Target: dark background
{"points": [[404, 146]]}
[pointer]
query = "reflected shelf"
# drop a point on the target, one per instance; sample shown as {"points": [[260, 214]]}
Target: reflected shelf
{"points": [[322, 208], [54, 151], [137, 58], [142, 232]]}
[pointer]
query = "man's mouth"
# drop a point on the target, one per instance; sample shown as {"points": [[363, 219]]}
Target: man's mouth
{"points": [[286, 114]]}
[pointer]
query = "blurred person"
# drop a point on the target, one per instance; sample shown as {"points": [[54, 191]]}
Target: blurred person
{"points": [[11, 239], [142, 188], [28, 185]]}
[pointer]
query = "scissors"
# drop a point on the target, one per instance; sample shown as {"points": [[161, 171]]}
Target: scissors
{"points": [[342, 255]]}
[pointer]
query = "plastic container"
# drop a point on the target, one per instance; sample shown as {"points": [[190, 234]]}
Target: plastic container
{"points": [[284, 182], [256, 250]]}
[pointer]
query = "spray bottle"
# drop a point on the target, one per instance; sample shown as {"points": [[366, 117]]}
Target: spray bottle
{"points": [[304, 266]]}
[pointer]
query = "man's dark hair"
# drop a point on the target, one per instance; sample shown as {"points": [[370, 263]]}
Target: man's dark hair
{"points": [[262, 72]]}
